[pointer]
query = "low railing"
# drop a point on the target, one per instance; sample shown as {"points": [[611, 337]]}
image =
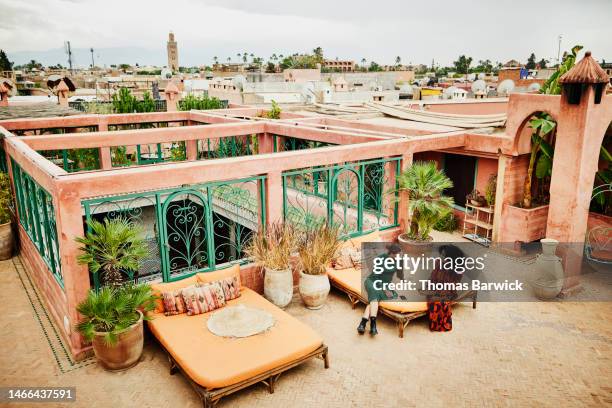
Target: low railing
{"points": [[107, 106], [37, 216], [189, 229], [358, 197]]}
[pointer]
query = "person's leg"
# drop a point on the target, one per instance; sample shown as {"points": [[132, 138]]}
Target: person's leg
{"points": [[364, 320], [373, 309], [373, 313]]}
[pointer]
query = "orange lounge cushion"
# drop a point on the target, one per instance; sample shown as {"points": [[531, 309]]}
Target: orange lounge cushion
{"points": [[215, 362], [159, 288], [371, 237], [208, 277], [351, 279]]}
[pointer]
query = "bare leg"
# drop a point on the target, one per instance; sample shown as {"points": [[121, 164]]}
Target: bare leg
{"points": [[373, 306], [366, 312]]}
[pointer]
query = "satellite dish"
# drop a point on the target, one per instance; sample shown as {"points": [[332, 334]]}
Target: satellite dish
{"points": [[406, 90], [471, 77], [8, 84], [481, 75], [505, 87], [448, 92], [238, 81], [166, 73], [479, 86], [308, 92], [534, 87]]}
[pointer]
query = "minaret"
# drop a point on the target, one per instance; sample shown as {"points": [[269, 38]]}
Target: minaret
{"points": [[173, 64]]}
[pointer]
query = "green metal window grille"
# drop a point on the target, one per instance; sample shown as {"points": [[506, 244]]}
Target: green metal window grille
{"points": [[3, 166], [37, 217], [294, 143], [190, 229], [233, 146], [355, 196]]}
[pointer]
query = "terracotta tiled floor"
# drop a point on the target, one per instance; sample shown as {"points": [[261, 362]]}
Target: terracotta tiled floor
{"points": [[520, 354]]}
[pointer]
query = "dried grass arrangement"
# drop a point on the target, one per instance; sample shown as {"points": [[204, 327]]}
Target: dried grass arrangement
{"points": [[317, 248], [273, 247]]}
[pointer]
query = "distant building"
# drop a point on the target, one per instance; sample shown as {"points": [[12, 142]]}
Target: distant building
{"points": [[338, 65], [172, 53]]}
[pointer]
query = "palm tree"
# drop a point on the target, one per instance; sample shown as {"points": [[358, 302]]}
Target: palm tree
{"points": [[398, 60], [425, 184], [216, 59], [112, 248]]}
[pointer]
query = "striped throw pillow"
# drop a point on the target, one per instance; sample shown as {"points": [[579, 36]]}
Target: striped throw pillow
{"points": [[173, 303], [202, 299]]}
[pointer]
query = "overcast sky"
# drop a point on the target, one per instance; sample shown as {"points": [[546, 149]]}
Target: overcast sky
{"points": [[135, 31]]}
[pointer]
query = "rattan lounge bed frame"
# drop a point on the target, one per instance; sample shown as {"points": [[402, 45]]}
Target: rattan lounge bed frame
{"points": [[210, 398], [401, 319]]}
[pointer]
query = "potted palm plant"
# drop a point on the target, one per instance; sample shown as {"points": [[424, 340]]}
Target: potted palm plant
{"points": [[6, 231], [112, 322], [112, 248], [272, 248], [424, 184], [316, 251]]}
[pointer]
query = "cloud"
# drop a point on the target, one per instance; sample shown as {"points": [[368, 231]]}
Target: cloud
{"points": [[376, 30]]}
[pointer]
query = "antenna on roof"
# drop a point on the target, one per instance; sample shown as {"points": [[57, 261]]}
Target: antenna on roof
{"points": [[69, 52]]}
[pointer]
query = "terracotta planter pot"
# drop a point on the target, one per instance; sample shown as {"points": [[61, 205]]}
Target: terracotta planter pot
{"points": [[314, 290], [413, 247], [524, 224], [278, 286], [7, 241], [125, 353]]}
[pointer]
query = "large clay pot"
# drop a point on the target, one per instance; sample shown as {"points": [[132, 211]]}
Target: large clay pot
{"points": [[125, 353], [6, 241], [314, 289], [413, 247], [548, 275], [278, 286]]}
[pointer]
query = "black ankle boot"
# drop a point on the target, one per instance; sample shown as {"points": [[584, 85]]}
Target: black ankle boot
{"points": [[373, 330], [362, 326]]}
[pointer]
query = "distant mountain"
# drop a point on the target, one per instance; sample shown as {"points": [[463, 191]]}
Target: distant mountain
{"points": [[81, 57]]}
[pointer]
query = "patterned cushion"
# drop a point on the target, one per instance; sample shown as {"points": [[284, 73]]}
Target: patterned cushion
{"points": [[202, 299], [356, 259], [173, 303], [231, 287], [343, 258]]}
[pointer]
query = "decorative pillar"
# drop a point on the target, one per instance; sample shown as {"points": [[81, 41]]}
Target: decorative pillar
{"points": [[265, 143], [62, 93], [171, 94], [577, 145], [69, 221], [274, 197]]}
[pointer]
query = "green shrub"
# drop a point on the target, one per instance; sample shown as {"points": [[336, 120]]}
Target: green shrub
{"points": [[112, 309], [447, 223], [112, 248], [5, 198], [190, 102]]}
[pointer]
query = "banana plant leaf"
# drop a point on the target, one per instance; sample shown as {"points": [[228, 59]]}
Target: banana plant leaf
{"points": [[543, 167]]}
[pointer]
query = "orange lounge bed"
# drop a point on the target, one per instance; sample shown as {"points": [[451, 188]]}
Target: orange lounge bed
{"points": [[349, 281], [218, 366]]}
